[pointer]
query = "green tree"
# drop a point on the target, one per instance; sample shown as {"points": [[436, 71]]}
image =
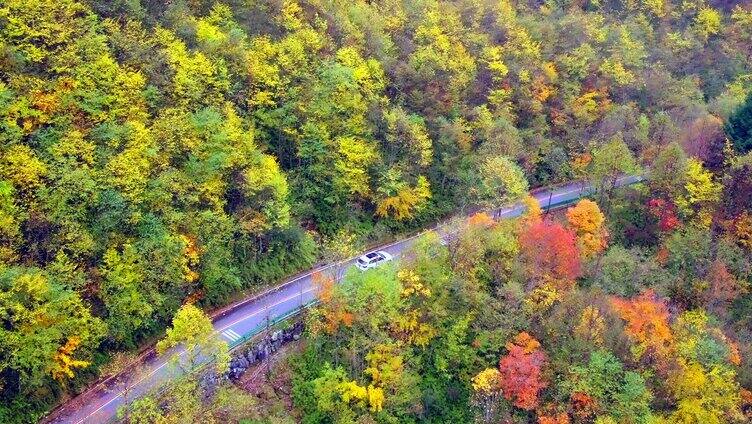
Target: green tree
{"points": [[48, 333], [10, 220], [124, 290], [668, 171], [619, 272], [611, 161], [185, 402], [618, 393], [739, 126], [501, 182]]}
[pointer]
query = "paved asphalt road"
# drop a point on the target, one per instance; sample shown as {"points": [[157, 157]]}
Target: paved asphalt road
{"points": [[249, 317]]}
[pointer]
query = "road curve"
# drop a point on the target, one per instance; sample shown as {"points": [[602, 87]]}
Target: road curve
{"points": [[249, 317]]}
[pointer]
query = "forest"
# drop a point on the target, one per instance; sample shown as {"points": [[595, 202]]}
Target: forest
{"points": [[155, 154]]}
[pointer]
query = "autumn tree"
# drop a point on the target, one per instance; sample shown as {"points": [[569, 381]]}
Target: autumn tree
{"points": [[487, 394], [521, 371], [700, 194], [646, 317], [666, 213], [21, 167], [704, 384], [587, 221], [533, 211], [550, 253], [160, 153], [193, 331], [345, 400], [399, 200], [591, 326], [704, 396], [333, 309]]}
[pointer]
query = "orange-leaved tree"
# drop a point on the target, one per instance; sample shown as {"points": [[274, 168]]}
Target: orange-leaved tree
{"points": [[333, 310], [647, 323], [557, 418]]}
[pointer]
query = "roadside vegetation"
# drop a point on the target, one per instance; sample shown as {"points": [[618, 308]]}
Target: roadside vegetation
{"points": [[156, 154], [639, 317]]}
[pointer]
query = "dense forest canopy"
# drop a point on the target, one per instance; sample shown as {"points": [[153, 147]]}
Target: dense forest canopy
{"points": [[539, 320], [157, 153]]}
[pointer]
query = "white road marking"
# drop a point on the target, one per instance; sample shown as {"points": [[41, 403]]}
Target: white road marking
{"points": [[231, 335], [121, 393], [299, 294]]}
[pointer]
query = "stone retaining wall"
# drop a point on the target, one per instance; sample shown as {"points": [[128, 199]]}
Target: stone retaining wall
{"points": [[247, 356], [250, 355]]}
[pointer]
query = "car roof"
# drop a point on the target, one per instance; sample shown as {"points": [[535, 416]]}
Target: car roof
{"points": [[372, 255]]}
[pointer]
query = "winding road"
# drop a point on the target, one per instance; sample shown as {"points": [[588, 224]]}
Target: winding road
{"points": [[247, 318]]}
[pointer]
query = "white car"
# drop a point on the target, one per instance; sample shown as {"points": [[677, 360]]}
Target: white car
{"points": [[447, 239], [372, 260]]}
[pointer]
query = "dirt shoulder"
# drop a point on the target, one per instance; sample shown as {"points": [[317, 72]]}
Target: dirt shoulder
{"points": [[270, 383]]}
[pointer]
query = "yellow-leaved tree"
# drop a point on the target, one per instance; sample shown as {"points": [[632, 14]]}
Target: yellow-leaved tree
{"points": [[487, 394], [701, 193], [192, 329], [401, 200], [586, 219]]}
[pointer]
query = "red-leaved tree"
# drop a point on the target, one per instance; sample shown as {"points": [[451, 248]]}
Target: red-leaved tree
{"points": [[550, 252], [520, 369], [665, 212], [723, 288]]}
